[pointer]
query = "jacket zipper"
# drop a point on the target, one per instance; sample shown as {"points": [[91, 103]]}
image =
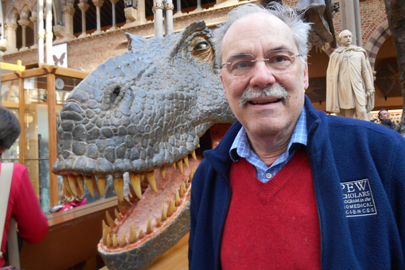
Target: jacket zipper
{"points": [[218, 267], [310, 134]]}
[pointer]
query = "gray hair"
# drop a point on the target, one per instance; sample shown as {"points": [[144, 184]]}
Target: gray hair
{"points": [[9, 128], [289, 16]]}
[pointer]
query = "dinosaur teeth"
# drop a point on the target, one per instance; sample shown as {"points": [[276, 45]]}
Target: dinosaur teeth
{"points": [[132, 191], [164, 213], [182, 190], [80, 181], [105, 236], [117, 215], [110, 221], [149, 227], [66, 186], [89, 184], [101, 185], [151, 179], [163, 171], [72, 184], [108, 240], [180, 165], [193, 155], [159, 221], [119, 187], [136, 184], [141, 234], [132, 234], [186, 161], [115, 242], [177, 198], [105, 227], [171, 208], [123, 240]]}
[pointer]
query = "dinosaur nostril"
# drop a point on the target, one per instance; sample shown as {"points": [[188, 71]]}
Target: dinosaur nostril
{"points": [[115, 93]]}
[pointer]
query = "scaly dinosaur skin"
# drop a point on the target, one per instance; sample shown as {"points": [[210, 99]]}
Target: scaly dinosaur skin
{"points": [[142, 112]]}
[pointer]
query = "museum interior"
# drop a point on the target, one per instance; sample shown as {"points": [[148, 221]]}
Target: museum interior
{"points": [[49, 47]]}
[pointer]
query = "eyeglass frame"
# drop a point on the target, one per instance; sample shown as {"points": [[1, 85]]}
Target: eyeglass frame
{"points": [[293, 56]]}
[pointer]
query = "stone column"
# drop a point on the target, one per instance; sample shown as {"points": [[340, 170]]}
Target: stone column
{"points": [[11, 29], [348, 19], [68, 13], [41, 32], [358, 22], [114, 23], [34, 21], [169, 17], [24, 24], [98, 4], [48, 33], [83, 7], [158, 14], [178, 13], [199, 8]]}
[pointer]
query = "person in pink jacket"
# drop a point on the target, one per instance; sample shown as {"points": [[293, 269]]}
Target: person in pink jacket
{"points": [[22, 203]]}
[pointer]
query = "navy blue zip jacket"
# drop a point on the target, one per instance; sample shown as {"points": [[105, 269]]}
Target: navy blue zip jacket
{"points": [[358, 172]]}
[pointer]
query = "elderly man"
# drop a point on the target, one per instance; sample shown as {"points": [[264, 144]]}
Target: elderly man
{"points": [[289, 187], [350, 81], [385, 119]]}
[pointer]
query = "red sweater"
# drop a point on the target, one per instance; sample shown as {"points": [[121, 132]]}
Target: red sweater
{"points": [[23, 205], [272, 225]]}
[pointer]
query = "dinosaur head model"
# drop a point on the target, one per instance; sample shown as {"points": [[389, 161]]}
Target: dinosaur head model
{"points": [[143, 112]]}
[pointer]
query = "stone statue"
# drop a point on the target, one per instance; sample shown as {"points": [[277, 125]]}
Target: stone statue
{"points": [[350, 80]]}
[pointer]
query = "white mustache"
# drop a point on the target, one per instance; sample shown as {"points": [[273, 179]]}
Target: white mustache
{"points": [[276, 90]]}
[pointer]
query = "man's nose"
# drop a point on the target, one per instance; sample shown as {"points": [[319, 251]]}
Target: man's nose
{"points": [[262, 75]]}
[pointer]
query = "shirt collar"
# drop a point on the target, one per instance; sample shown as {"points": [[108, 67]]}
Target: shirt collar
{"points": [[241, 148]]}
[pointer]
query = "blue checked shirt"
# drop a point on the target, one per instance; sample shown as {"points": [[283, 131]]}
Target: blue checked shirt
{"points": [[241, 148]]}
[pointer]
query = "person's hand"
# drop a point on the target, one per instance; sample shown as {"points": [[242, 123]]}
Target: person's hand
{"points": [[370, 92]]}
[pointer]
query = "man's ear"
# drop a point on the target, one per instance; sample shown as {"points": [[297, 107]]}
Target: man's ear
{"points": [[306, 77], [223, 86]]}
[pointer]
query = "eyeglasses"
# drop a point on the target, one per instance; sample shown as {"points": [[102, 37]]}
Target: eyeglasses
{"points": [[243, 64]]}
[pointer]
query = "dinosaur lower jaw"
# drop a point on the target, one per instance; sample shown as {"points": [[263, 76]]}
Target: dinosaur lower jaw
{"points": [[142, 217]]}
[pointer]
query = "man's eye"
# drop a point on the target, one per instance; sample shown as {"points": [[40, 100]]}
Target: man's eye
{"points": [[241, 64], [279, 59]]}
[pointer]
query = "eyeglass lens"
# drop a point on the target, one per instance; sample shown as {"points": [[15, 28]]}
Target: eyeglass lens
{"points": [[242, 64]]}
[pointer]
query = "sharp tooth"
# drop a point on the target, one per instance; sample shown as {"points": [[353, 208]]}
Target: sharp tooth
{"points": [[89, 184], [95, 186], [174, 164], [110, 221], [115, 242], [123, 240], [121, 208], [192, 175], [149, 227], [136, 184], [159, 221], [105, 227], [177, 198], [182, 189], [101, 185], [141, 234], [117, 215], [105, 236], [151, 179], [126, 204], [108, 240], [80, 181], [186, 161], [130, 198], [132, 191], [72, 184], [132, 234], [163, 171], [180, 165], [171, 209], [164, 213], [119, 187], [66, 186], [193, 155]]}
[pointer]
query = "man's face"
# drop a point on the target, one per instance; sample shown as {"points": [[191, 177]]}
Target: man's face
{"points": [[346, 39], [385, 115], [267, 116]]}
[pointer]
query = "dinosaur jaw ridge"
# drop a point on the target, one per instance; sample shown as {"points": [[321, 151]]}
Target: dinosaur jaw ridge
{"points": [[139, 220]]}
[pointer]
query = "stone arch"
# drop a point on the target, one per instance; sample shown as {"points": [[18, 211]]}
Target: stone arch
{"points": [[25, 12], [376, 40], [12, 14]]}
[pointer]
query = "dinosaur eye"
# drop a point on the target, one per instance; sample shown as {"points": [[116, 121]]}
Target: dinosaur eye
{"points": [[114, 93], [201, 46], [201, 49]]}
